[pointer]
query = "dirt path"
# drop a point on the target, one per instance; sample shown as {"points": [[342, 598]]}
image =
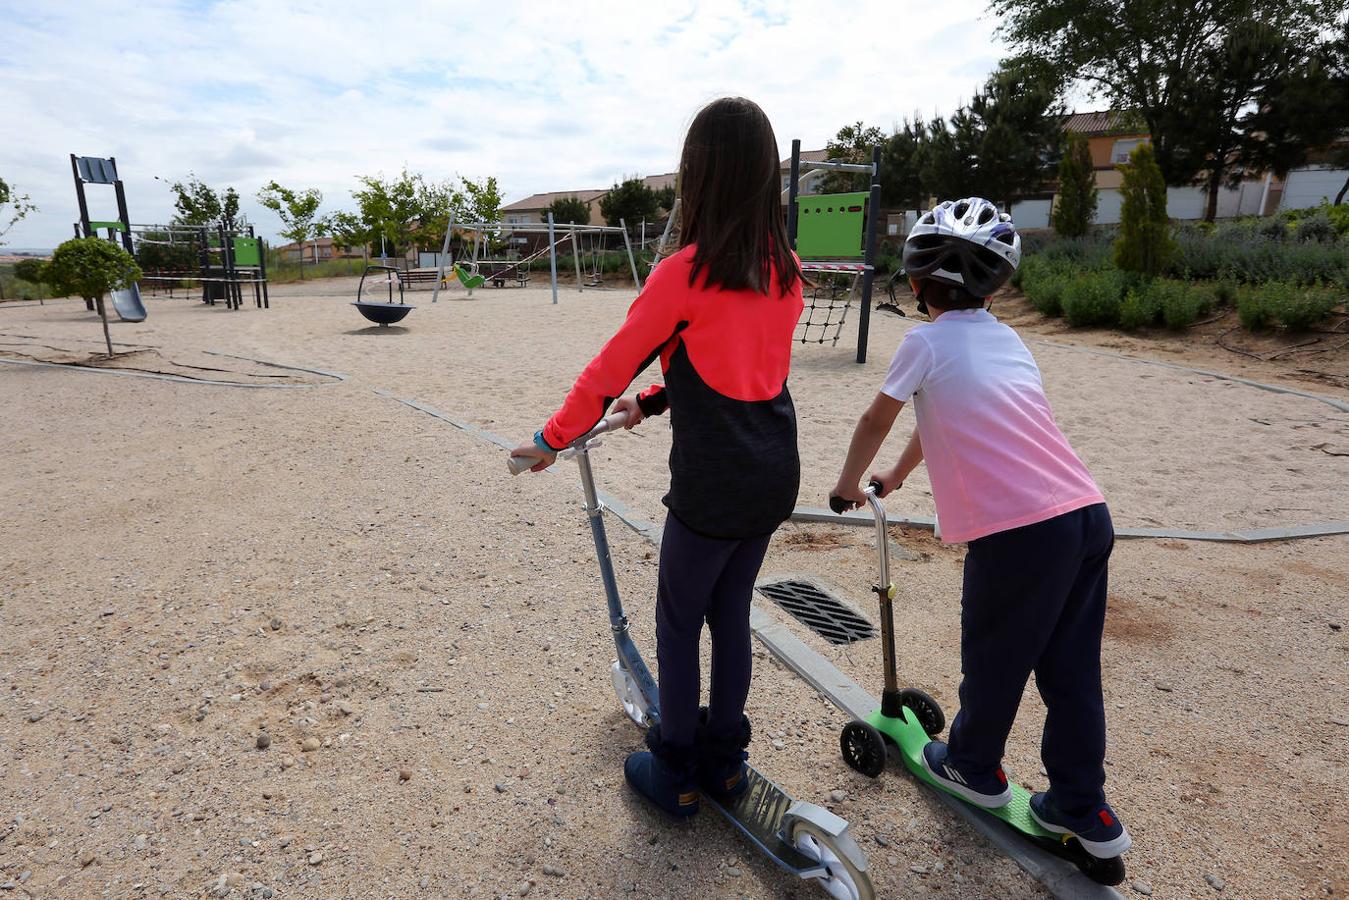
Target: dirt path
{"points": [[185, 568]]}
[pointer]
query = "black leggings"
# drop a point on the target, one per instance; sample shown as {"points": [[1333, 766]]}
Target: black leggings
{"points": [[1034, 601], [704, 579]]}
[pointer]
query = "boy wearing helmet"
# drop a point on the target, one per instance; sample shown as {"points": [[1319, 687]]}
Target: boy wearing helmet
{"points": [[1005, 480]]}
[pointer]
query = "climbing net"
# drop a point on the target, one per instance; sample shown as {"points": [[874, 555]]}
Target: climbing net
{"points": [[827, 303]]}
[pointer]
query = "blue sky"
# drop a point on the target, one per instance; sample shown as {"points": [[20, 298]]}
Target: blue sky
{"points": [[544, 96]]}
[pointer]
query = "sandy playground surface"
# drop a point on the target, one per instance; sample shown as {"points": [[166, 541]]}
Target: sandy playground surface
{"points": [[185, 567]]}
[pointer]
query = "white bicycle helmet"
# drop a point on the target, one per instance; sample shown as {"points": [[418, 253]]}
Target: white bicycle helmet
{"points": [[967, 243]]}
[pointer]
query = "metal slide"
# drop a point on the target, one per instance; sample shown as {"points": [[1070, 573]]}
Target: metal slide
{"points": [[128, 304]]}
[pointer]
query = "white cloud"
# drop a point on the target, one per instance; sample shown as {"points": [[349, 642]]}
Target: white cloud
{"points": [[543, 96]]}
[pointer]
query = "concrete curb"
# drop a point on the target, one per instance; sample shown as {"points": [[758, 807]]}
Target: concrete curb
{"points": [[1250, 536]]}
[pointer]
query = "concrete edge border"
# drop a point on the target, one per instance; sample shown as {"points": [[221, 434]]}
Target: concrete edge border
{"points": [[1060, 878], [183, 379], [1248, 536]]}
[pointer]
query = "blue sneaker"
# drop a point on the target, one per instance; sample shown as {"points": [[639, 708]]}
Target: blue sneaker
{"points": [[990, 791], [1101, 834]]}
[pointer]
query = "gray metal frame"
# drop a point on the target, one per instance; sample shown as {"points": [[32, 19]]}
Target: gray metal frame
{"points": [[550, 228]]}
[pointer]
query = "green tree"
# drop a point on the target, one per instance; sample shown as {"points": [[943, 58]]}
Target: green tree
{"points": [[1302, 110], [852, 144], [1075, 205], [569, 211], [298, 211], [1144, 244], [901, 167], [1017, 116], [631, 201], [665, 198], [91, 267], [13, 208], [482, 200], [29, 270], [200, 204], [949, 156], [389, 209], [1165, 59]]}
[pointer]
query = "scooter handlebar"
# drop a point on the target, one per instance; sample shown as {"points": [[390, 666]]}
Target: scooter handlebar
{"points": [[840, 506], [517, 464]]}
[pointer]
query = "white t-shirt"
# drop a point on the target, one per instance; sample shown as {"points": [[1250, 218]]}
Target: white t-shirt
{"points": [[995, 456]]}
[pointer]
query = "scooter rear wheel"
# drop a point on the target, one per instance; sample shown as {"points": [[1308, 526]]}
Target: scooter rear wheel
{"points": [[845, 879], [863, 748], [925, 708]]}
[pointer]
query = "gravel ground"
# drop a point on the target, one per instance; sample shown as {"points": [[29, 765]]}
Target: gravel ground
{"points": [[188, 573]]}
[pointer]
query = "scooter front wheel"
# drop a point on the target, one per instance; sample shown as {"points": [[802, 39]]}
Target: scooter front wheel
{"points": [[1102, 871], [845, 880], [925, 708], [863, 748]]}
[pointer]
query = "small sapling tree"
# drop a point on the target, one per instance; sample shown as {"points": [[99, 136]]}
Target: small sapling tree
{"points": [[91, 267], [297, 210]]}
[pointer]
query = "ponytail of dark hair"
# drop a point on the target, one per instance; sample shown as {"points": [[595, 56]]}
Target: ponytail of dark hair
{"points": [[731, 200]]}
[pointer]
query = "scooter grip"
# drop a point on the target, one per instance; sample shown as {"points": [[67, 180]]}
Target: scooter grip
{"points": [[518, 464], [838, 504], [876, 486]]}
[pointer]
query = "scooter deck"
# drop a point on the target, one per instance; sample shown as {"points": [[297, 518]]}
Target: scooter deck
{"points": [[758, 815], [909, 736]]}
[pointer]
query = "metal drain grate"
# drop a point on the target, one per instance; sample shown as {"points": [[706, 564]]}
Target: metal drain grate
{"points": [[821, 613]]}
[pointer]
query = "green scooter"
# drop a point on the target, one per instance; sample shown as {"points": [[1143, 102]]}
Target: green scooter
{"points": [[909, 718]]}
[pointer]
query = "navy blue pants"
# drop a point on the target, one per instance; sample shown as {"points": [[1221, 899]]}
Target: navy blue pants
{"points": [[1034, 601], [704, 579]]}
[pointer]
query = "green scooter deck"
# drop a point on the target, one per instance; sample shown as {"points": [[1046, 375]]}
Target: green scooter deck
{"points": [[909, 736]]}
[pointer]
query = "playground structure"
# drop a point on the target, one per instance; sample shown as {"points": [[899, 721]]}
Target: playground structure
{"points": [[223, 258], [95, 170], [225, 261], [835, 235], [585, 241], [386, 312]]}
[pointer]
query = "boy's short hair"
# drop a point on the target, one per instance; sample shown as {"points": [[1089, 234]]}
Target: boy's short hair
{"points": [[949, 296]]}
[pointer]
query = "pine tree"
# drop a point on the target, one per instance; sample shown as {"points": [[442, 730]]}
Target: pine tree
{"points": [[1144, 244], [1075, 206]]}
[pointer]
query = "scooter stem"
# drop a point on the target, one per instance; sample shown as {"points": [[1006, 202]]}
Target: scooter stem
{"points": [[885, 594]]}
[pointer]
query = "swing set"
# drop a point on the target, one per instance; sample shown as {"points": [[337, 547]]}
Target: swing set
{"points": [[588, 246]]}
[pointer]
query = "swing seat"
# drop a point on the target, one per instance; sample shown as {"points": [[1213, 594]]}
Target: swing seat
{"points": [[469, 281]]}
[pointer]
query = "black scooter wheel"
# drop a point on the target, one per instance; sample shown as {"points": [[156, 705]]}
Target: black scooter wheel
{"points": [[863, 748], [1102, 871], [925, 708]]}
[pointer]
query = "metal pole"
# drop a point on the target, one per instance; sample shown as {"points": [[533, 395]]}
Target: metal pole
{"points": [[791, 192], [552, 255], [83, 231], [444, 254], [869, 276], [636, 279], [576, 258]]}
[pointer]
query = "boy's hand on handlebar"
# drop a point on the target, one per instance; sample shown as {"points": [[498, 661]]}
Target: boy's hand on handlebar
{"points": [[630, 406], [888, 480], [845, 497], [532, 451]]}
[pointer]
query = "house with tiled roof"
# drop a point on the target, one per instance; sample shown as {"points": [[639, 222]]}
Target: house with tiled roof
{"points": [[534, 208]]}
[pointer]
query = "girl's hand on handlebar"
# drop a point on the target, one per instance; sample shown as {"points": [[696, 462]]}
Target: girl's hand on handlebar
{"points": [[532, 451], [630, 406]]}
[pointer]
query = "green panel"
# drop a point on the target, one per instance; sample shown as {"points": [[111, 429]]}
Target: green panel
{"points": [[247, 251], [115, 226], [830, 226]]}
